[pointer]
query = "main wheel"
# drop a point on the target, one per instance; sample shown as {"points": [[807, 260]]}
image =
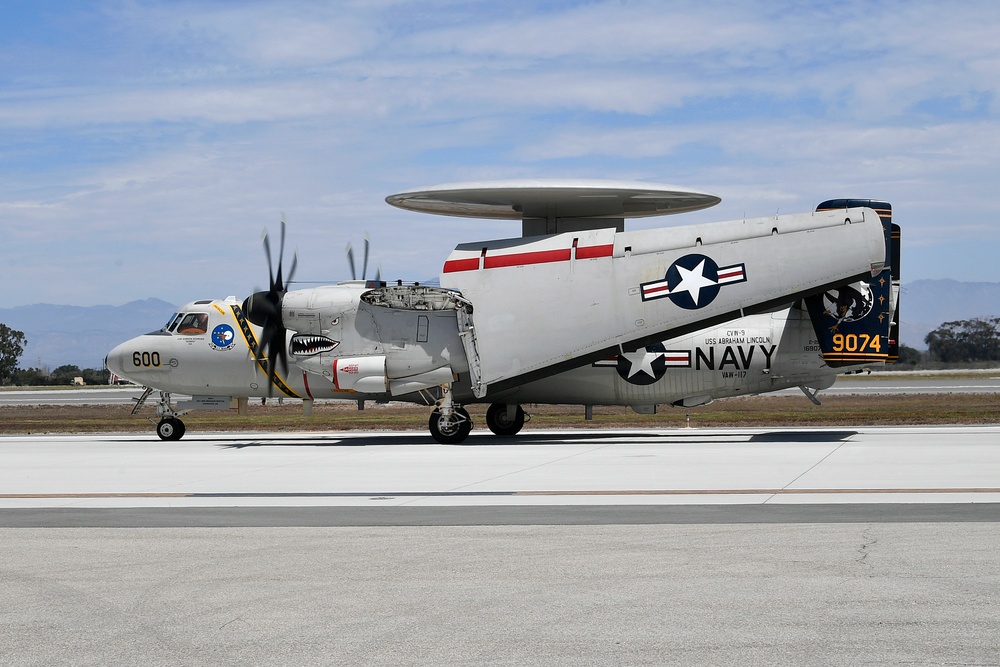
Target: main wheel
{"points": [[170, 428], [452, 429], [500, 424]]}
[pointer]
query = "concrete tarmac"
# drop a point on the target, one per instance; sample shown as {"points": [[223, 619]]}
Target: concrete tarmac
{"points": [[731, 546]]}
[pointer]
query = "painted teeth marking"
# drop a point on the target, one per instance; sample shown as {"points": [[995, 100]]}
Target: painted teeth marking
{"points": [[307, 345]]}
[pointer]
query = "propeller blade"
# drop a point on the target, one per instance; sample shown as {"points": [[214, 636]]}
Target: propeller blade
{"points": [[277, 356], [267, 253], [350, 260], [291, 271], [279, 285], [364, 265]]}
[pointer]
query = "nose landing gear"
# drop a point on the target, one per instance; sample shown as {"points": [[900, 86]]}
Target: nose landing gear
{"points": [[170, 428]]}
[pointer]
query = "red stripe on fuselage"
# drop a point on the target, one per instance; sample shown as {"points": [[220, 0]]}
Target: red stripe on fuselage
{"points": [[593, 251], [521, 258], [524, 258], [453, 265]]}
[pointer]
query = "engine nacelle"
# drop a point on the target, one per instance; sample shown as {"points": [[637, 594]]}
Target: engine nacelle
{"points": [[318, 310], [362, 374], [367, 375]]}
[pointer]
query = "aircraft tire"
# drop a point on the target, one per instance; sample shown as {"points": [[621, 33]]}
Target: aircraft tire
{"points": [[450, 430], [496, 419], [170, 428]]}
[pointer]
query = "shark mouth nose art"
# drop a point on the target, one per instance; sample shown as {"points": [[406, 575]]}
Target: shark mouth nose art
{"points": [[307, 345]]}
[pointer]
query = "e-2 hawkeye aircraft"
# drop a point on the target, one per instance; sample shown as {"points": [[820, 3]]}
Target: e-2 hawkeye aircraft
{"points": [[577, 310]]}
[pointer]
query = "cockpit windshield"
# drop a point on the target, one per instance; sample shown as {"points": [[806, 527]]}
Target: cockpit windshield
{"points": [[172, 322], [192, 324]]}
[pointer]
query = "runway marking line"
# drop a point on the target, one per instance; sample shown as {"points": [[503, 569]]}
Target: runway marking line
{"points": [[382, 494]]}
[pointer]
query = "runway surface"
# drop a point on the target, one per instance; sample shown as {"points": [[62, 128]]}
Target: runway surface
{"points": [[536, 468], [700, 546]]}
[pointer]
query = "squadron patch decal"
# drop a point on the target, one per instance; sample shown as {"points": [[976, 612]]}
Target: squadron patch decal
{"points": [[223, 338], [849, 303]]}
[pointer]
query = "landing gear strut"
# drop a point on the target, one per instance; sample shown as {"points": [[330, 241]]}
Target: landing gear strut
{"points": [[450, 429], [505, 419], [170, 426], [450, 423]]}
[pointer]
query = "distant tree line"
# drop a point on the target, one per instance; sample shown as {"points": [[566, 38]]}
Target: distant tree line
{"points": [[64, 375], [12, 344], [965, 341], [909, 356]]}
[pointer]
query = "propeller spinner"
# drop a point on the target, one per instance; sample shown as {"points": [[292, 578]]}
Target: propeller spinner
{"points": [[264, 310]]}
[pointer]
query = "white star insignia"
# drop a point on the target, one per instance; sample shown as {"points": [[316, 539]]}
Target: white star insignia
{"points": [[641, 361], [692, 281]]}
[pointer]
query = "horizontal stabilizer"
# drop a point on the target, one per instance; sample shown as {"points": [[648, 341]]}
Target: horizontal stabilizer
{"points": [[549, 303]]}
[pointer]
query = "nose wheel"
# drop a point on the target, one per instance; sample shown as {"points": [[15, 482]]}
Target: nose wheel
{"points": [[170, 428]]}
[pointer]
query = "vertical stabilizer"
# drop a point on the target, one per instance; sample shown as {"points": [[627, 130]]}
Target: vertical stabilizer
{"points": [[894, 329], [858, 323]]}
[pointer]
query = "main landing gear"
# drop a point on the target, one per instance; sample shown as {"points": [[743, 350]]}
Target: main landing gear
{"points": [[504, 419], [450, 429], [450, 423]]}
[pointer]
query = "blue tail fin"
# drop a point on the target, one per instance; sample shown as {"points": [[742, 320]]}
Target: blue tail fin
{"points": [[858, 323]]}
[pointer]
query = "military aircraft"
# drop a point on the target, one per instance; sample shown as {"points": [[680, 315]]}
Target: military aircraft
{"points": [[577, 310]]}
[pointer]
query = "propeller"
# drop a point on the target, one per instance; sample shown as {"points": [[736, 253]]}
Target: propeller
{"points": [[364, 262], [264, 310]]}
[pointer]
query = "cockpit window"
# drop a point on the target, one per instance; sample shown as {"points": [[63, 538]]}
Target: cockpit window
{"points": [[193, 324], [172, 322]]}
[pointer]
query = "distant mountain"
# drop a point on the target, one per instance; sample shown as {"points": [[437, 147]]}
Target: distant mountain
{"points": [[78, 335], [924, 305], [59, 335]]}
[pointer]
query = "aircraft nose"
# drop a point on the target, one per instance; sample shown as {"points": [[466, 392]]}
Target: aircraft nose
{"points": [[115, 361]]}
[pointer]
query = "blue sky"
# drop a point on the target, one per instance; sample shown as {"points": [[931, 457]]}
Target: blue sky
{"points": [[144, 146]]}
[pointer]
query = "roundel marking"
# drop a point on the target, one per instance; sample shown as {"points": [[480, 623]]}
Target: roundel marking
{"points": [[693, 281], [644, 366]]}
